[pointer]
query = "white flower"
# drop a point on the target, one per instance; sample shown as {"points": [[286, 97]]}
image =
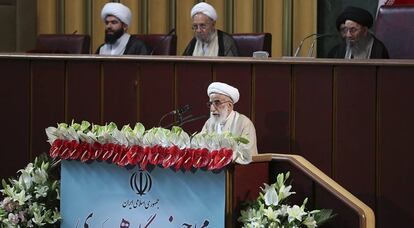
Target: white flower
{"points": [[25, 180], [41, 191], [52, 135], [40, 176], [270, 195], [14, 219], [271, 214], [309, 222], [21, 197], [38, 218], [285, 192], [295, 212]]}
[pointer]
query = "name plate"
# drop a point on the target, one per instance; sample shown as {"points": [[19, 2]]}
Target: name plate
{"points": [[105, 195]]}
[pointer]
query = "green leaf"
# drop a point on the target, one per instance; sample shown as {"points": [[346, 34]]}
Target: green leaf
{"points": [[323, 216], [85, 126]]}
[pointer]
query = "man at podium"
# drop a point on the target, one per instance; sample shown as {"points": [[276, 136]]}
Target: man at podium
{"points": [[222, 98]]}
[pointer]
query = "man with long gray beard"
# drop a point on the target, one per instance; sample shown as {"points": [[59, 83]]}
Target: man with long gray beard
{"points": [[359, 43], [117, 18], [223, 118], [207, 40]]}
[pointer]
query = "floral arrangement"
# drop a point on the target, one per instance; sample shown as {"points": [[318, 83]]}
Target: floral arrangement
{"points": [[137, 146], [271, 209], [31, 200]]}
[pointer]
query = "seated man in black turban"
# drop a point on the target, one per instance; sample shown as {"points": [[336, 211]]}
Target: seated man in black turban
{"points": [[360, 43]]}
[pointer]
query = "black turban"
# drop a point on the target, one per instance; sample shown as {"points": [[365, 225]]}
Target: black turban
{"points": [[359, 15]]}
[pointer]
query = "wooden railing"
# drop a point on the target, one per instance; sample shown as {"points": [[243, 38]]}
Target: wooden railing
{"points": [[344, 199]]}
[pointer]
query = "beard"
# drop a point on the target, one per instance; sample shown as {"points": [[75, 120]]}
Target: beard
{"points": [[205, 38], [221, 117], [112, 38]]}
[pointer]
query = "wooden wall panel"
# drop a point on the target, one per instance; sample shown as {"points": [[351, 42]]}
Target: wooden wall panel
{"points": [[273, 23], [304, 24], [272, 107], [133, 5], [120, 92], [75, 17], [158, 16], [183, 24], [48, 97], [220, 7], [83, 92], [156, 92], [191, 88], [243, 16], [313, 115], [98, 27], [355, 130], [46, 17], [395, 156], [239, 76], [15, 116]]}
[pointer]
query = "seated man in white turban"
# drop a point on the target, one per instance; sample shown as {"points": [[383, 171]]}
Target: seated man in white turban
{"points": [[117, 18], [223, 118], [209, 41]]}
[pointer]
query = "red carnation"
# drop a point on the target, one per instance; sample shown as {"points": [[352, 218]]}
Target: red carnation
{"points": [[188, 159], [156, 155], [107, 150], [55, 148], [68, 149], [171, 156], [87, 152], [123, 158], [201, 158], [96, 151], [135, 154], [144, 162], [221, 158]]}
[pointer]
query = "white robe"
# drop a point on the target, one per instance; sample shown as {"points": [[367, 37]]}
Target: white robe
{"points": [[238, 124], [118, 48]]}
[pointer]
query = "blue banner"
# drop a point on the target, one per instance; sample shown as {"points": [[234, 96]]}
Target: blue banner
{"points": [[105, 195]]}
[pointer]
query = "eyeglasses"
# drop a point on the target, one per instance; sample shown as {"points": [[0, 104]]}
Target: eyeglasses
{"points": [[350, 30], [216, 103], [200, 26]]}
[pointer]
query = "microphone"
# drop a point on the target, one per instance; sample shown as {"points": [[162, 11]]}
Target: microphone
{"points": [[181, 110], [178, 111], [301, 44], [158, 44], [310, 50]]}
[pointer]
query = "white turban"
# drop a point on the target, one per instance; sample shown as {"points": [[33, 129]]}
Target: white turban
{"points": [[118, 10], [225, 89], [204, 8]]}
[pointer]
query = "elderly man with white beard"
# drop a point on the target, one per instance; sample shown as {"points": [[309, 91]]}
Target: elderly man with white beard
{"points": [[223, 118], [207, 40]]}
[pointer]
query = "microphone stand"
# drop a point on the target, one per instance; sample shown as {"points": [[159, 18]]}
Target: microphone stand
{"points": [[163, 117], [179, 121], [193, 119], [310, 51], [301, 44]]}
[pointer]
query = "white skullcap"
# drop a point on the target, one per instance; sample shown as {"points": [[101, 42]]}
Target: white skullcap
{"points": [[225, 89], [118, 10], [204, 8]]}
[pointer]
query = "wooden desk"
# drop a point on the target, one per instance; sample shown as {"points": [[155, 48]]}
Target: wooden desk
{"points": [[352, 119]]}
